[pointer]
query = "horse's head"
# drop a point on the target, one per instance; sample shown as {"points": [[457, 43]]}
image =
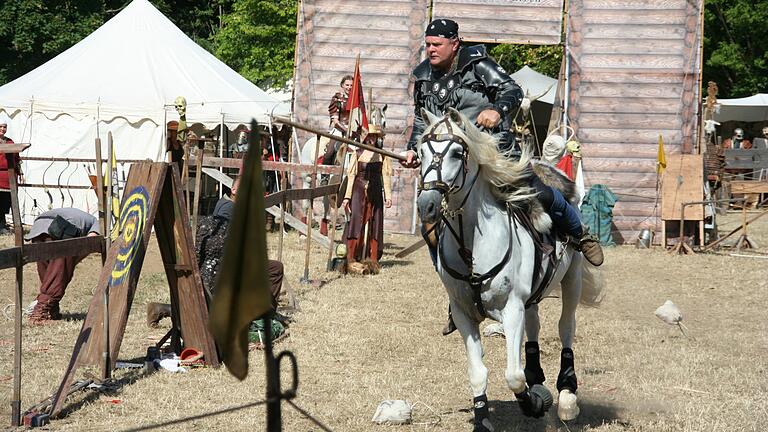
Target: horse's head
{"points": [[444, 155], [378, 118]]}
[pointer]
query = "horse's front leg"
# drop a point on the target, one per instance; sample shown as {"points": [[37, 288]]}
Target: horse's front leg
{"points": [[534, 402], [567, 406], [534, 374], [478, 373]]}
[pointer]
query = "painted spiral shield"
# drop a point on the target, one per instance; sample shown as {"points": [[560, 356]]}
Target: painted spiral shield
{"points": [[133, 217]]}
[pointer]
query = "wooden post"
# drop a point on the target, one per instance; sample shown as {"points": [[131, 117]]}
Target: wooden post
{"points": [[105, 219], [283, 186], [17, 234], [185, 179], [332, 233], [310, 215], [100, 189], [108, 194], [198, 178]]}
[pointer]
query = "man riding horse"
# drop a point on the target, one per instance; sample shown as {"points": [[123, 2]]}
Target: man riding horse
{"points": [[467, 79]]}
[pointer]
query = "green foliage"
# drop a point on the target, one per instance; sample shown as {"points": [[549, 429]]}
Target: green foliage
{"points": [[198, 19], [735, 41], [258, 39], [545, 59], [34, 31]]}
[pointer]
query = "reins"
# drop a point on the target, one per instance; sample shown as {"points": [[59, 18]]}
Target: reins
{"points": [[474, 280]]}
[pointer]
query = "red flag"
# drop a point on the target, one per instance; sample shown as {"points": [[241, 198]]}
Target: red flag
{"points": [[356, 103]]}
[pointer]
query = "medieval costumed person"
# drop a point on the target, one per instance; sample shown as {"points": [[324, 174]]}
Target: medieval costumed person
{"points": [[369, 190], [338, 113], [5, 196], [468, 80], [738, 141]]}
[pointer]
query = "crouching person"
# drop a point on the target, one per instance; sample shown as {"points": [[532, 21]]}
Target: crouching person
{"points": [[209, 247], [55, 274]]}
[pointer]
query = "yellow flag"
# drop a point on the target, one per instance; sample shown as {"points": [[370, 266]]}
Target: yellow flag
{"points": [[113, 189], [242, 288], [661, 160]]}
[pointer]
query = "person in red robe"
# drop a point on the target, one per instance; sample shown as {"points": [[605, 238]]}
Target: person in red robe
{"points": [[5, 196]]}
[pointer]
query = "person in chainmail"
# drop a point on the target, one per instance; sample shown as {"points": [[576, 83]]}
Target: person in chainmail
{"points": [[210, 239]]}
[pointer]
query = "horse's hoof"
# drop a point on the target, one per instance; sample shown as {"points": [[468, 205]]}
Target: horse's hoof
{"points": [[543, 394], [567, 408], [536, 402], [483, 426]]}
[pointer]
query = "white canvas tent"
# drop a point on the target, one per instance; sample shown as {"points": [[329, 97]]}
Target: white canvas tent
{"points": [[749, 109], [123, 79], [534, 83]]}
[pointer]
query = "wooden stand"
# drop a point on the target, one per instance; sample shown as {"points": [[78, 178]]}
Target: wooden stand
{"points": [[10, 152], [744, 242], [682, 185], [153, 197]]}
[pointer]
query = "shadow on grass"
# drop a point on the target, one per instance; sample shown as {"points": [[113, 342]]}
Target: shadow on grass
{"points": [[73, 316], [506, 416], [395, 263], [114, 388]]}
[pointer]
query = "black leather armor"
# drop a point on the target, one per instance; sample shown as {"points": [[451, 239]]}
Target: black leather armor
{"points": [[474, 84]]}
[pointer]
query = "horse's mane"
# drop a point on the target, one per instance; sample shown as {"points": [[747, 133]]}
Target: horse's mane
{"points": [[509, 179]]}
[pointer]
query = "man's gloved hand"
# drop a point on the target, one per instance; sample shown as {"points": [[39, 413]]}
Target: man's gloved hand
{"points": [[412, 160], [488, 119]]}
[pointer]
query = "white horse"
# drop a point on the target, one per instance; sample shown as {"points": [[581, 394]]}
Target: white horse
{"points": [[486, 260]]}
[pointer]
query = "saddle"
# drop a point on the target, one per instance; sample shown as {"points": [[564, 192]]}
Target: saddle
{"points": [[545, 251]]}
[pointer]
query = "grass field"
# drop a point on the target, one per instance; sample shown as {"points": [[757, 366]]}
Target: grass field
{"points": [[361, 340]]}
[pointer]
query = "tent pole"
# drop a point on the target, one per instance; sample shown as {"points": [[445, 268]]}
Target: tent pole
{"points": [[567, 86], [221, 153], [164, 136], [274, 154]]}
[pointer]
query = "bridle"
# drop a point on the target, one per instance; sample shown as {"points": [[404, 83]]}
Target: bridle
{"points": [[438, 158], [445, 189]]}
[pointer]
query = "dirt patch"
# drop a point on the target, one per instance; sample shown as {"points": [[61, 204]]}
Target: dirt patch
{"points": [[360, 340]]}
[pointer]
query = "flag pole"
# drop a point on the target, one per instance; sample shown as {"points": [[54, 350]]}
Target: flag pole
{"points": [[661, 164]]}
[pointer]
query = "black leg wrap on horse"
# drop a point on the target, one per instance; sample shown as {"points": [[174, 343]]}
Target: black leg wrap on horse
{"points": [[482, 423], [533, 372], [566, 379], [534, 402]]}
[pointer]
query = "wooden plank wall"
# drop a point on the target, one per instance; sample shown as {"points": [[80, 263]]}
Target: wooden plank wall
{"points": [[388, 35], [634, 75], [505, 21]]}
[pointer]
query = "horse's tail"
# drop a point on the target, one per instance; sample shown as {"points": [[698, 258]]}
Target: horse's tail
{"points": [[592, 285]]}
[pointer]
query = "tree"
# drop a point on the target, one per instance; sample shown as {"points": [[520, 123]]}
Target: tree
{"points": [[38, 30], [198, 19], [735, 41], [545, 59], [258, 40], [34, 31]]}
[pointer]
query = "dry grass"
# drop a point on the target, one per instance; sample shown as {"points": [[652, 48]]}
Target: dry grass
{"points": [[360, 340]]}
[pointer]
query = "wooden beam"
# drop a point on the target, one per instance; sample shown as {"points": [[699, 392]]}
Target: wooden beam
{"points": [[34, 252], [217, 162], [219, 176], [347, 141], [15, 148], [45, 251], [300, 226], [300, 194]]}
